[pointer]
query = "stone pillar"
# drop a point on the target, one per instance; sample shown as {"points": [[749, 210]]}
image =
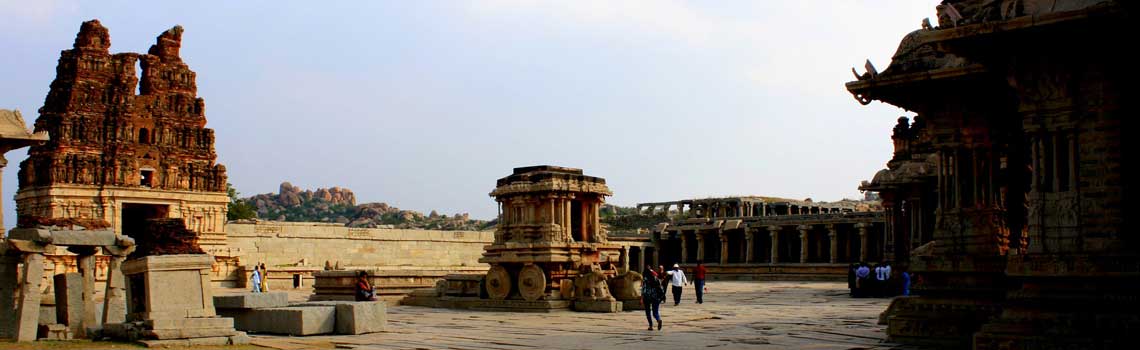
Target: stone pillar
{"points": [[8, 288], [115, 302], [803, 242], [862, 226], [583, 225], [723, 247], [624, 259], [684, 246], [86, 264], [774, 231], [700, 246], [834, 235], [596, 230], [28, 312], [641, 259], [568, 227], [749, 238]]}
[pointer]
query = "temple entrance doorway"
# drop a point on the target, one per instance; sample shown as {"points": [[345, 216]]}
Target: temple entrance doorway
{"points": [[134, 216]]}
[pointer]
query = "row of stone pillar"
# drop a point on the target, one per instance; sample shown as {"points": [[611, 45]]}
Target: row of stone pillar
{"points": [[22, 321], [773, 232]]}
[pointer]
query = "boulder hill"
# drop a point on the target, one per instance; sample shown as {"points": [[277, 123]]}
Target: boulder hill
{"points": [[338, 205]]}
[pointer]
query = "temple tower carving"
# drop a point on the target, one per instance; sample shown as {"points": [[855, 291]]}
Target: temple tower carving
{"points": [[124, 147]]}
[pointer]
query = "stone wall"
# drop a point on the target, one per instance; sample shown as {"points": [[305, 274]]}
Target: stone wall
{"points": [[280, 244]]}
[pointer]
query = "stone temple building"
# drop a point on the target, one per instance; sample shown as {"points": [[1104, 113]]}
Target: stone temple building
{"points": [[120, 156], [756, 237], [1011, 189]]}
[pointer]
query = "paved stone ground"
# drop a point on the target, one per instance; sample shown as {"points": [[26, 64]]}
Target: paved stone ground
{"points": [[735, 315]]}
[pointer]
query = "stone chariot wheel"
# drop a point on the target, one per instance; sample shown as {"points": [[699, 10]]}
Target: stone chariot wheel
{"points": [[498, 282], [532, 282]]}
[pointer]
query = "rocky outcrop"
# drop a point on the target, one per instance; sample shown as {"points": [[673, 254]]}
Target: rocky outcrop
{"points": [[338, 205]]}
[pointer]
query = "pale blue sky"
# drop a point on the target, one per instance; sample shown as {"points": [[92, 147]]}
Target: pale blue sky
{"points": [[423, 104]]}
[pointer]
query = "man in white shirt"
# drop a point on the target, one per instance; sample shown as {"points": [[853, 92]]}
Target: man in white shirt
{"points": [[677, 280]]}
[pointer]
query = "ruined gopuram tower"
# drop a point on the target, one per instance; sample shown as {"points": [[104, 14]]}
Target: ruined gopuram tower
{"points": [[119, 156]]}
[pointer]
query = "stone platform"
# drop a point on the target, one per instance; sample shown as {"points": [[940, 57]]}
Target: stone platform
{"points": [[474, 303], [736, 315], [598, 306], [390, 285], [272, 313]]}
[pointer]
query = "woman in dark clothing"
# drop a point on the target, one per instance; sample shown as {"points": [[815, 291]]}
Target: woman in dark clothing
{"points": [[651, 296], [364, 291], [851, 278]]}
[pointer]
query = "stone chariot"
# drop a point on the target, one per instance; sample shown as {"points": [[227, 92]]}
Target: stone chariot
{"points": [[549, 236]]}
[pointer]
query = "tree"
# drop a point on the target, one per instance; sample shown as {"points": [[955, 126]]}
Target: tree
{"points": [[238, 209]]}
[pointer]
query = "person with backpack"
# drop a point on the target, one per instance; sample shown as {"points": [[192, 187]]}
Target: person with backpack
{"points": [[651, 296]]}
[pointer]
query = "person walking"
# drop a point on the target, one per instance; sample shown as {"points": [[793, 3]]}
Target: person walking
{"points": [[678, 281], [699, 281], [651, 296], [255, 279], [264, 278]]}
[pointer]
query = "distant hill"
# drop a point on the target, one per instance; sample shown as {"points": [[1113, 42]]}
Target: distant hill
{"points": [[339, 205]]}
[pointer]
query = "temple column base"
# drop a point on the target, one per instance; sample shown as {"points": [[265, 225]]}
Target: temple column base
{"points": [[957, 295], [1067, 302]]}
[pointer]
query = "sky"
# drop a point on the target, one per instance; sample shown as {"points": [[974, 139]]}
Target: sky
{"points": [[424, 104]]}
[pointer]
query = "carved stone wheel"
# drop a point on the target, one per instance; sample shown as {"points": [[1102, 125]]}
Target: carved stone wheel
{"points": [[532, 282], [498, 282]]}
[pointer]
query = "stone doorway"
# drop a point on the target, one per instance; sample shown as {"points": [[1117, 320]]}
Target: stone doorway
{"points": [[576, 221], [134, 216]]}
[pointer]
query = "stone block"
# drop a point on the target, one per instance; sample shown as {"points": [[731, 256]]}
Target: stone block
{"points": [[173, 286], [47, 312], [190, 323], [30, 234], [598, 306], [65, 237], [630, 305], [186, 343], [305, 320], [28, 303], [69, 300], [54, 332], [251, 300], [188, 333], [123, 331], [83, 238], [240, 338], [361, 317]]}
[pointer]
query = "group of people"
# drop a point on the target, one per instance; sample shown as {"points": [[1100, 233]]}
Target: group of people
{"points": [[259, 278], [876, 281], [653, 288]]}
